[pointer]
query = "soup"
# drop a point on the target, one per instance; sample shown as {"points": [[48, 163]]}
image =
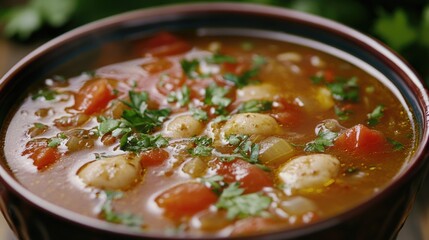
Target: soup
{"points": [[211, 136]]}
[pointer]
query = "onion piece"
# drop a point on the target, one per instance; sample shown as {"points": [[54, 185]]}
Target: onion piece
{"points": [[275, 150]]}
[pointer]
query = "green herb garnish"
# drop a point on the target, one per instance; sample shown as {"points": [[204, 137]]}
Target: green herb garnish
{"points": [[247, 150], [190, 67], [47, 94], [215, 182], [182, 96], [375, 116], [255, 106], [239, 205], [324, 139], [203, 146], [218, 58], [342, 114], [110, 215], [139, 142], [344, 89], [199, 114], [215, 96], [141, 118], [397, 146]]}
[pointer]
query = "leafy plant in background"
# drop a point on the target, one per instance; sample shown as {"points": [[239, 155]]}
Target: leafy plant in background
{"points": [[403, 25]]}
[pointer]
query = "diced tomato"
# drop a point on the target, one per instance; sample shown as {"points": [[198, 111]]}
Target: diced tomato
{"points": [[251, 177], [157, 66], [186, 199], [360, 140], [287, 114], [153, 157], [254, 225], [41, 154], [328, 75], [94, 96], [164, 44]]}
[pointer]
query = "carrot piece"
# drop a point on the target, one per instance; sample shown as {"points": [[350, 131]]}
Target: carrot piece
{"points": [[94, 96], [251, 177], [164, 44], [153, 157], [360, 140], [185, 200], [42, 155]]}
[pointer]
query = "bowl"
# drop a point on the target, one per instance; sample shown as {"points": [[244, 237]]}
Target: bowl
{"points": [[380, 217]]}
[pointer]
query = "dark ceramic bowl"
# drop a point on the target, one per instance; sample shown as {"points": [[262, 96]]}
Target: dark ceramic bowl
{"points": [[381, 217]]}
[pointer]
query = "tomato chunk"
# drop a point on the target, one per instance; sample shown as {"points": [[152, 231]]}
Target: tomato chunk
{"points": [[94, 97], [42, 155], [288, 114], [185, 200], [251, 177], [164, 44], [360, 140], [153, 157]]}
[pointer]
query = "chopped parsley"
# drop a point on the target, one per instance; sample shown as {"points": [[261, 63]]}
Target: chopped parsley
{"points": [[215, 96], [139, 142], [47, 94], [342, 114], [344, 89], [215, 182], [190, 67], [108, 125], [141, 118], [248, 76], [324, 139], [397, 146], [203, 146], [375, 116], [110, 215], [246, 149], [199, 114], [239, 205], [218, 58], [317, 79], [56, 141], [254, 106], [182, 96], [242, 80]]}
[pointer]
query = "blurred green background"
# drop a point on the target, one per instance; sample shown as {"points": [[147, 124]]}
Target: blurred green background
{"points": [[403, 25]]}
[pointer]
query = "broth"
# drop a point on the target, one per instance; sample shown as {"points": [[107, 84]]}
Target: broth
{"points": [[211, 136]]}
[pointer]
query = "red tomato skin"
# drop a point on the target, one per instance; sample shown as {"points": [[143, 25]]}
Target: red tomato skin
{"points": [[164, 44], [288, 114], [94, 96], [154, 157], [361, 140], [185, 200], [251, 177], [41, 154]]}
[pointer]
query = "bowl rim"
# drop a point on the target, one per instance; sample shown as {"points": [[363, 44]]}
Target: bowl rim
{"points": [[373, 46]]}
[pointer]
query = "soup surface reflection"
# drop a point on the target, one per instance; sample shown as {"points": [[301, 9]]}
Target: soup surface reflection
{"points": [[211, 136]]}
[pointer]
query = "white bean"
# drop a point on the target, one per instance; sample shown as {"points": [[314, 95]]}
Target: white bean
{"points": [[111, 173], [264, 91], [251, 123], [183, 126], [309, 171]]}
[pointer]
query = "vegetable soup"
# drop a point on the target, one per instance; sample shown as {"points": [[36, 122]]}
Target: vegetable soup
{"points": [[211, 136]]}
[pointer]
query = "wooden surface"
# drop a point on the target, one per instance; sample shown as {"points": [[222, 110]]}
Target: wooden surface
{"points": [[416, 227]]}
